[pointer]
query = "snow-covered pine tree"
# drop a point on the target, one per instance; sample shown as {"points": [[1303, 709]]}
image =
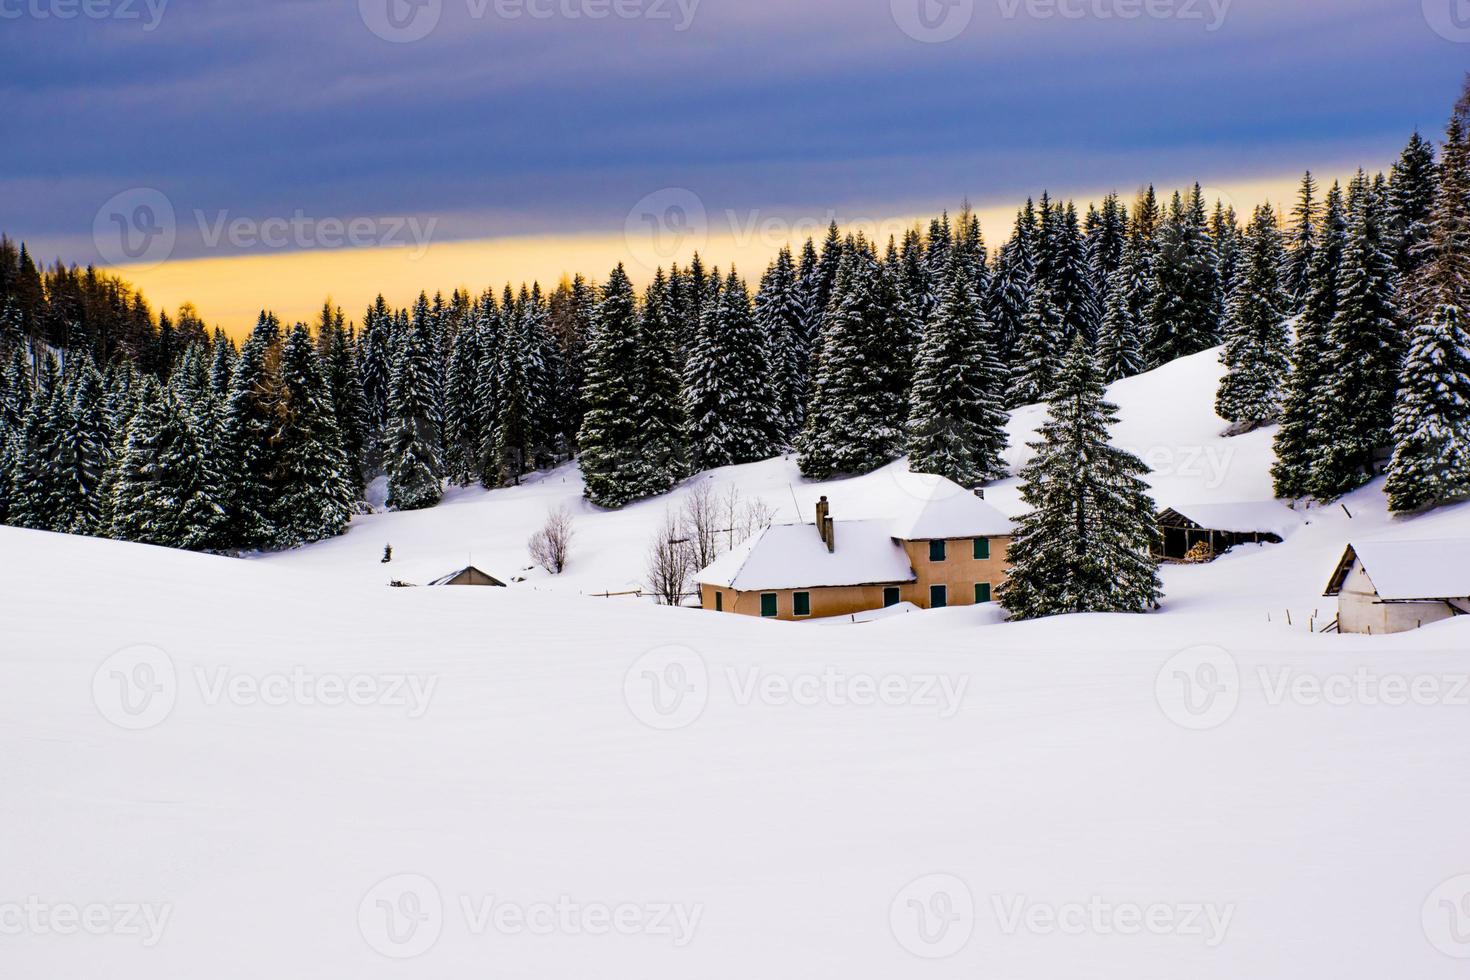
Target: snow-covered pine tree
{"points": [[1182, 317], [83, 456], [1431, 426], [610, 438], [223, 354], [37, 483], [1443, 275], [339, 368], [807, 289], [919, 292], [1087, 543], [1070, 279], [1143, 251], [662, 428], [730, 400], [463, 414], [969, 243], [164, 494], [780, 317], [1010, 287], [1119, 346], [251, 424], [316, 492], [1225, 236], [375, 355], [1301, 433], [1414, 183], [1106, 243], [1038, 349], [1257, 341], [1365, 346], [1301, 251], [824, 277], [412, 453], [856, 418], [516, 437], [956, 414]]}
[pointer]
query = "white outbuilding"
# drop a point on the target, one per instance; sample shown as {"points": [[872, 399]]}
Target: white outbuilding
{"points": [[1396, 586]]}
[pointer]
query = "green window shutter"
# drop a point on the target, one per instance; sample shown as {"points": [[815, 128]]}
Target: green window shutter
{"points": [[719, 602], [801, 604], [768, 604], [982, 549], [938, 597], [982, 592], [936, 551], [891, 596]]}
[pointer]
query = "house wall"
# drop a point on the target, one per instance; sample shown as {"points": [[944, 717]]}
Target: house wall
{"points": [[1359, 609], [472, 576], [960, 572]]}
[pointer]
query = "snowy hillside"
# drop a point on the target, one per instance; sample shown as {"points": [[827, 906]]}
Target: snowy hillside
{"points": [[280, 767]]}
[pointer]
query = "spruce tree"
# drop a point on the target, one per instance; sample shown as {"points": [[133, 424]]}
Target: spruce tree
{"points": [[1182, 316], [1038, 349], [1366, 353], [1010, 288], [1301, 433], [780, 317], [1301, 252], [412, 455], [1119, 346], [1256, 338], [36, 480], [858, 408], [1414, 186], [1443, 274], [730, 400], [463, 413], [251, 425], [956, 415], [375, 357], [1087, 543], [1431, 427], [339, 363], [610, 438], [316, 492], [164, 494], [83, 456]]}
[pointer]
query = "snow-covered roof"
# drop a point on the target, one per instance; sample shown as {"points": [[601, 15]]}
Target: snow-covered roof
{"points": [[942, 508], [794, 556], [1409, 570], [1242, 517]]}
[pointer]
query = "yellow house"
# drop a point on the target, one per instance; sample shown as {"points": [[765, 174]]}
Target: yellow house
{"points": [[947, 549]]}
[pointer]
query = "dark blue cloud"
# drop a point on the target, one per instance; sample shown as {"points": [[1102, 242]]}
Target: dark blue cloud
{"points": [[499, 125]]}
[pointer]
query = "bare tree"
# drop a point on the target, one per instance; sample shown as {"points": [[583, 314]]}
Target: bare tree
{"points": [[701, 525], [550, 545], [755, 516], [670, 563]]}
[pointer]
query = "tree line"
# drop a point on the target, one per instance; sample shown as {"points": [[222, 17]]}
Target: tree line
{"points": [[1343, 322]]}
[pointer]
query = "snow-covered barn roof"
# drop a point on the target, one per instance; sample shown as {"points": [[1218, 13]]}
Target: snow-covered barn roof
{"points": [[1410, 570], [794, 556], [944, 509], [1241, 517]]}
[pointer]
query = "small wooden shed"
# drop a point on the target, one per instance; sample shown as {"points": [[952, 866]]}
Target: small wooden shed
{"points": [[469, 575], [1211, 529]]}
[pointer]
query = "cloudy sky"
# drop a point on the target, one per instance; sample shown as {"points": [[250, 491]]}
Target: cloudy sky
{"points": [[210, 143]]}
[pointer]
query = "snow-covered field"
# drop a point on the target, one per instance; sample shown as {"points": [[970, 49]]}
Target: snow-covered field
{"points": [[281, 767]]}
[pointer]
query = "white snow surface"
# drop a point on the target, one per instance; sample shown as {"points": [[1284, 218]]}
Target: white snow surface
{"points": [[794, 556], [1437, 568], [607, 753]]}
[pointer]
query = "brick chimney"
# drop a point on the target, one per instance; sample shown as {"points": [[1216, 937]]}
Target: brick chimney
{"points": [[824, 523], [829, 534]]}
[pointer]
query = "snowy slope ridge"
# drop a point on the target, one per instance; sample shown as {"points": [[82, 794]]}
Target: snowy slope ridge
{"points": [[300, 772]]}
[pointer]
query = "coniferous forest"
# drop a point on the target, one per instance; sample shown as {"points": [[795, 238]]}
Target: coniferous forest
{"points": [[1344, 320]]}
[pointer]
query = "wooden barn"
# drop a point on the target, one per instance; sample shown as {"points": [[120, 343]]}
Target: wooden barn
{"points": [[469, 575], [1397, 586], [1205, 531]]}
